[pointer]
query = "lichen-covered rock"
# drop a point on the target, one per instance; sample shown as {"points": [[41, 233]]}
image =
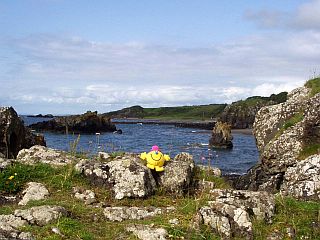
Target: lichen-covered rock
{"points": [[89, 122], [282, 133], [221, 136], [4, 163], [120, 214], [229, 212], [14, 136], [127, 176], [303, 180], [34, 191], [209, 170], [41, 215], [41, 154], [88, 196], [11, 222], [178, 174], [146, 232]]}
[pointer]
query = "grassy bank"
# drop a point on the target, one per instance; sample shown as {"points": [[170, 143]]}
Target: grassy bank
{"points": [[88, 222]]}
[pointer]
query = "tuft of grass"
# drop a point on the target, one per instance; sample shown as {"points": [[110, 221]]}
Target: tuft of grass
{"points": [[309, 150], [298, 117], [207, 175], [301, 217], [314, 85]]}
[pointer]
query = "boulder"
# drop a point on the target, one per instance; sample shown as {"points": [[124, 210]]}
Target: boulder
{"points": [[120, 214], [41, 154], [283, 133], [14, 136], [230, 212], [89, 122], [177, 177], [41, 215], [147, 232], [34, 191], [221, 136], [126, 176]]}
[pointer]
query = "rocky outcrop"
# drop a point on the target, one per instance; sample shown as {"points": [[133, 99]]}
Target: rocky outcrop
{"points": [[89, 122], [34, 191], [14, 136], [127, 176], [41, 154], [221, 136], [284, 134], [42, 215], [241, 114], [120, 214], [146, 232], [178, 174], [230, 212]]}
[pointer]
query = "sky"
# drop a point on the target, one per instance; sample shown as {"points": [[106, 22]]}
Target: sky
{"points": [[70, 56]]}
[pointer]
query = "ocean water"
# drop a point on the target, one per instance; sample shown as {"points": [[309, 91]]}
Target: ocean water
{"points": [[172, 140]]}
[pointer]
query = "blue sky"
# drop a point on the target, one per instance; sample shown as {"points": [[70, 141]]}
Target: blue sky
{"points": [[64, 57]]}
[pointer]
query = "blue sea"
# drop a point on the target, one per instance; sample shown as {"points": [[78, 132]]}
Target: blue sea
{"points": [[172, 140]]}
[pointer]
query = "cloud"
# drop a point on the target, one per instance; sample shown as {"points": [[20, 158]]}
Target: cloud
{"points": [[305, 17], [72, 75]]}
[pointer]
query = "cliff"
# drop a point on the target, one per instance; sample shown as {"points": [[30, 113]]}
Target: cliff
{"points": [[288, 140], [241, 114]]}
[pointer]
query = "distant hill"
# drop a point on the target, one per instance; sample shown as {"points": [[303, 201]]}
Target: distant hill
{"points": [[197, 112], [239, 114]]}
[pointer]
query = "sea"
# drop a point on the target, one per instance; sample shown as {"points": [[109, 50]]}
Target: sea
{"points": [[140, 137]]}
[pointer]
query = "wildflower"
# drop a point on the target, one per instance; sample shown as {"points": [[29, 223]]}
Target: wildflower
{"points": [[11, 177]]}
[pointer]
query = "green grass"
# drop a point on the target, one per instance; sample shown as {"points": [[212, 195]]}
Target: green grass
{"points": [[296, 118], [302, 217], [314, 85]]}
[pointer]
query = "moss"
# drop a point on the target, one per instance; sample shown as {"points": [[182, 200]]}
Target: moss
{"points": [[309, 150], [314, 85]]}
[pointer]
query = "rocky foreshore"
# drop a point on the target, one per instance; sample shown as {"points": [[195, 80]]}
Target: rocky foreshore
{"points": [[89, 122]]}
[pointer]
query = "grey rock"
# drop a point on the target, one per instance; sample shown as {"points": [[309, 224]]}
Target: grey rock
{"points": [[209, 170], [177, 177], [41, 215], [88, 196], [120, 214], [103, 155], [127, 176], [229, 212], [11, 222], [302, 181], [4, 163], [34, 191], [146, 232], [41, 154]]}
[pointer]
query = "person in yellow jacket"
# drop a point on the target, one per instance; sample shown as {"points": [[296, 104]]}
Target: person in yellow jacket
{"points": [[155, 158]]}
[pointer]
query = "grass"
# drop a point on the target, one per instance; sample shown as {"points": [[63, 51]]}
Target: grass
{"points": [[314, 85], [293, 120], [302, 217], [87, 222]]}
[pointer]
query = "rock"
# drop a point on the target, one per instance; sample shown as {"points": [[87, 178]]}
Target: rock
{"points": [[241, 114], [302, 181], [89, 122], [11, 222], [41, 215], [127, 176], [41, 154], [229, 212], [120, 214], [14, 136], [221, 136], [174, 221], [103, 155], [282, 133], [146, 232], [177, 177], [87, 196], [34, 191], [4, 163]]}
